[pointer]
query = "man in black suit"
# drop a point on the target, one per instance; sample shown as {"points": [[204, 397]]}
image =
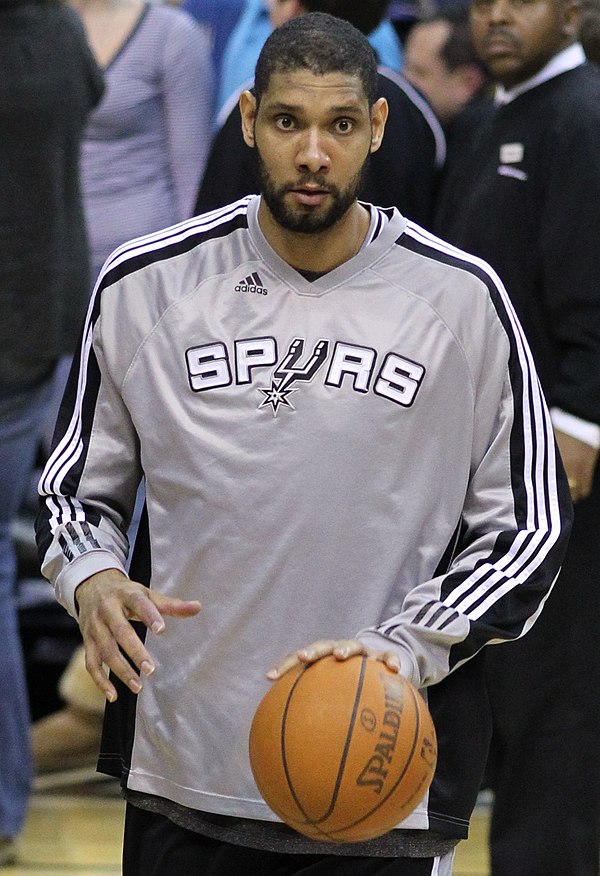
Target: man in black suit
{"points": [[524, 194]]}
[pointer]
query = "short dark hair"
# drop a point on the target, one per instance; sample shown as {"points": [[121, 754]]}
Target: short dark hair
{"points": [[321, 43], [365, 15]]}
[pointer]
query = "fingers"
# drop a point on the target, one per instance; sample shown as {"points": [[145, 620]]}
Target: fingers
{"points": [[323, 648], [351, 647], [580, 487], [120, 667], [94, 666], [138, 605], [108, 603], [110, 639], [341, 649], [150, 608], [391, 660], [286, 664], [307, 655], [579, 460]]}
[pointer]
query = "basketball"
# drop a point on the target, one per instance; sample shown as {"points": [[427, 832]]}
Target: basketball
{"points": [[342, 750]]}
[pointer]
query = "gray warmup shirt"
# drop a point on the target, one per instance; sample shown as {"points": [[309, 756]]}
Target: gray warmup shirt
{"points": [[366, 454]]}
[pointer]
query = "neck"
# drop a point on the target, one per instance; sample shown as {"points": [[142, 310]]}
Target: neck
{"points": [[319, 251]]}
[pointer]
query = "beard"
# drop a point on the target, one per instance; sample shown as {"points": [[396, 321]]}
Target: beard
{"points": [[307, 220]]}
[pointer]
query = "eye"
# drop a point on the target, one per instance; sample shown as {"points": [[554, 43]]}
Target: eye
{"points": [[284, 123], [344, 126]]}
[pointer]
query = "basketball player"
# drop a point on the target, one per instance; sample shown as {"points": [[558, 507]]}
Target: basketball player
{"points": [[345, 450]]}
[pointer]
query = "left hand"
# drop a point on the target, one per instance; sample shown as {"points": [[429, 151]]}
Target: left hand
{"points": [[579, 460], [341, 649]]}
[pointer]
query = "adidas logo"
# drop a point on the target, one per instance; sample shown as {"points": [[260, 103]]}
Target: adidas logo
{"points": [[253, 284]]}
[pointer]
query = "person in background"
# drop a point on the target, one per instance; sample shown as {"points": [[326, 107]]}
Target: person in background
{"points": [[252, 29], [523, 193], [49, 82], [287, 373], [143, 153], [440, 60], [404, 172], [146, 144]]}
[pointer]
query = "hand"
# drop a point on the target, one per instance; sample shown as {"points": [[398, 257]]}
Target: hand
{"points": [[579, 460], [341, 649], [108, 601]]}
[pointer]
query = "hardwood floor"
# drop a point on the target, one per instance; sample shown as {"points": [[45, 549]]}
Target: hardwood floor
{"points": [[472, 855], [77, 831]]}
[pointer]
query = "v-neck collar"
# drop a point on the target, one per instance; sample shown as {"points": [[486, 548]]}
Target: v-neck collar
{"points": [[385, 228], [137, 24]]}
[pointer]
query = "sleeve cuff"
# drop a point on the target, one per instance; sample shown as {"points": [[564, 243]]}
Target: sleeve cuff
{"points": [[78, 570], [576, 427]]}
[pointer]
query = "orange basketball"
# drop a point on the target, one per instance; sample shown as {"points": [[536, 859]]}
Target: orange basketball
{"points": [[343, 750]]}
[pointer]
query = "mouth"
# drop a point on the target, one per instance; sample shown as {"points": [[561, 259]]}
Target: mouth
{"points": [[499, 45], [311, 196]]}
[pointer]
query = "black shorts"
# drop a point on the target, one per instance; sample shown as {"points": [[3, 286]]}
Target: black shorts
{"points": [[155, 846]]}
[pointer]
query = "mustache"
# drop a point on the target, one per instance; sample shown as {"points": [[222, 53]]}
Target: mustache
{"points": [[502, 33], [315, 180]]}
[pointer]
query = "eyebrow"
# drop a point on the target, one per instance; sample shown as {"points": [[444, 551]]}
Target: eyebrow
{"points": [[282, 107]]}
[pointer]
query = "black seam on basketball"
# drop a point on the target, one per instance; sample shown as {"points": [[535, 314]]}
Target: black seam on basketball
{"points": [[380, 803], [344, 758], [317, 823], [284, 758], [283, 755]]}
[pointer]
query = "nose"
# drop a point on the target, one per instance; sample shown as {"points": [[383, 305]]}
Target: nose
{"points": [[312, 154], [500, 11]]}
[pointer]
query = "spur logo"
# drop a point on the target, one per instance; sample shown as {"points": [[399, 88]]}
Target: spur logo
{"points": [[389, 375]]}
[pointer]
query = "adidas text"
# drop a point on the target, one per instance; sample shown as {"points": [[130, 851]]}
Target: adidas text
{"points": [[252, 283], [250, 287]]}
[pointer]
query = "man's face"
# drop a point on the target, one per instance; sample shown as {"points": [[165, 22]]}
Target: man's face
{"points": [[313, 135], [516, 38], [427, 70]]}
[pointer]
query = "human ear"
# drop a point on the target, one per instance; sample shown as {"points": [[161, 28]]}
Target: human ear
{"points": [[379, 114], [247, 106]]}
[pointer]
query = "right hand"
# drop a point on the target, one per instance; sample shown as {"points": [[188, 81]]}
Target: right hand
{"points": [[108, 601], [579, 460]]}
